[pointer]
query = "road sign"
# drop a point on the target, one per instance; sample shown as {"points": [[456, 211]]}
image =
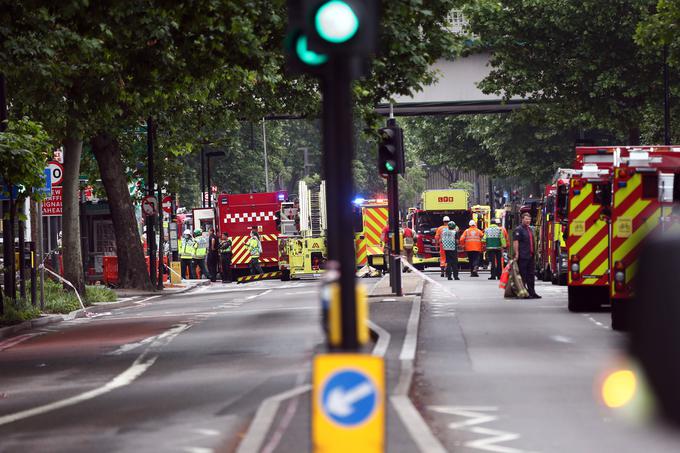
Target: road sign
{"points": [[52, 205], [348, 403], [56, 172], [149, 205], [47, 188], [167, 204]]}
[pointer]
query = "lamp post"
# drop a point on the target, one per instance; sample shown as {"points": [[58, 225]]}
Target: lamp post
{"points": [[210, 154]]}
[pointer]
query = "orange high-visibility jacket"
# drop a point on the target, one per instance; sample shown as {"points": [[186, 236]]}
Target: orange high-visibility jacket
{"points": [[471, 240]]}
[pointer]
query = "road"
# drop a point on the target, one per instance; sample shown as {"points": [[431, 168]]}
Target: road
{"points": [[515, 376], [183, 374], [191, 373]]}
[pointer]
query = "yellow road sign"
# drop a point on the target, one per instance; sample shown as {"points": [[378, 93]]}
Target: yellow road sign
{"points": [[348, 403]]}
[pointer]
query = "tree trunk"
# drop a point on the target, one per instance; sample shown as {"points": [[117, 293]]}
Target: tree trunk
{"points": [[634, 136], [132, 272], [71, 247]]}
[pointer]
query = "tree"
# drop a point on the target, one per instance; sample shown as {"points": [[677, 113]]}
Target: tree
{"points": [[24, 149], [579, 57]]}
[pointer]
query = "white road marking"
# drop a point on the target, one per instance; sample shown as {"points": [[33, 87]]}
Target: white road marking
{"points": [[477, 415], [10, 342], [257, 431], [596, 322], [389, 300], [198, 450], [285, 420], [146, 299], [125, 378], [299, 293], [207, 432], [561, 339], [258, 295], [383, 342]]}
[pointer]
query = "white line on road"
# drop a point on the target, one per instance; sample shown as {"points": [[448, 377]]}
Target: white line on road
{"points": [[596, 322], [257, 431], [299, 293], [383, 342], [126, 377], [174, 331], [561, 339], [258, 295]]}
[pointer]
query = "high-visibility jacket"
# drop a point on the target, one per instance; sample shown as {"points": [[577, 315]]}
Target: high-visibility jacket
{"points": [[471, 240], [200, 247], [186, 248], [493, 238], [254, 247]]}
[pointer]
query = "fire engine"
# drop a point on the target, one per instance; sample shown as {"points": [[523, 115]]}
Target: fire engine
{"points": [[370, 218], [302, 240], [590, 190], [238, 214], [424, 222], [552, 249], [645, 185]]}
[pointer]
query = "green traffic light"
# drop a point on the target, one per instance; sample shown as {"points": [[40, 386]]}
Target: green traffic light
{"points": [[307, 56], [390, 166], [336, 21]]}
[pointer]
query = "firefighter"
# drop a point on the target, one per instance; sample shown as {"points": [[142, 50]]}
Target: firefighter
{"points": [[471, 240], [408, 236], [200, 251], [213, 254], [255, 249], [186, 255], [450, 246], [524, 249], [225, 257], [495, 243], [437, 239]]}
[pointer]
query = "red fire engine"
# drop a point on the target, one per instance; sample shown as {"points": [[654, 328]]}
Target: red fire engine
{"points": [[238, 214], [646, 184], [589, 219]]}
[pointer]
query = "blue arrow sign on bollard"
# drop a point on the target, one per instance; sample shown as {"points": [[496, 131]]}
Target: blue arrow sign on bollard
{"points": [[349, 397]]}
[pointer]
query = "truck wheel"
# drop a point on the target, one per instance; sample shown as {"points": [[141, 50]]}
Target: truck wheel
{"points": [[620, 317], [285, 275]]}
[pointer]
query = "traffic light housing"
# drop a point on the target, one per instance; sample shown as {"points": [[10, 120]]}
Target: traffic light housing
{"points": [[321, 30], [391, 150]]}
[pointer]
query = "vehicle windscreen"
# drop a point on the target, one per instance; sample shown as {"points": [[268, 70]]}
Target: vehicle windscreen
{"points": [[428, 220]]}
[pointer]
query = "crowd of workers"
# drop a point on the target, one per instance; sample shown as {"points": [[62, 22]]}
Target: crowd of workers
{"points": [[494, 240], [206, 257]]}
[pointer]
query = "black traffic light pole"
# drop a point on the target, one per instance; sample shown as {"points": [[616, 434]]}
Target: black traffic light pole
{"points": [[393, 212], [150, 220], [338, 153]]}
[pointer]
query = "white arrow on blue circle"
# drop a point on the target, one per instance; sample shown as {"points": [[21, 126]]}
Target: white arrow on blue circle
{"points": [[340, 402]]}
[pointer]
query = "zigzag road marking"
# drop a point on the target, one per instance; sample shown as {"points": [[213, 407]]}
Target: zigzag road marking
{"points": [[478, 415]]}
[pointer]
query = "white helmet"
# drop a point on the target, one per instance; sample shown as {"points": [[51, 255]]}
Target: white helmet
{"points": [[472, 222], [187, 232], [446, 219]]}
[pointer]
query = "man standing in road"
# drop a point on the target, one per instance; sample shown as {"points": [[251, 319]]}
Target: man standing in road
{"points": [[437, 239], [186, 255], [213, 254], [225, 258], [524, 251], [255, 249], [200, 251], [471, 240], [407, 234], [495, 243], [450, 246]]}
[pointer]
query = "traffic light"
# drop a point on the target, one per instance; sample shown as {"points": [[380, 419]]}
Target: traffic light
{"points": [[319, 30], [391, 150], [343, 27]]}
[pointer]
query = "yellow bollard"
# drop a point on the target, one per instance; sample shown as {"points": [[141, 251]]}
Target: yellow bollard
{"points": [[175, 272]]}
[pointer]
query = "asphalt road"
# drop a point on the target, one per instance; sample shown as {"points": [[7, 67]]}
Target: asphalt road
{"points": [[183, 374], [515, 376]]}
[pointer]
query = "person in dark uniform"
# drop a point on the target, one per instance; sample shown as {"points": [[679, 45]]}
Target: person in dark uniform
{"points": [[213, 254], [524, 249], [225, 258]]}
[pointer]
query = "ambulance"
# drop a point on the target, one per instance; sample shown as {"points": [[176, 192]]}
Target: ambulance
{"points": [[646, 192], [436, 204]]}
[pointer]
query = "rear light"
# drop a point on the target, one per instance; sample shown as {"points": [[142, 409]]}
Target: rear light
{"points": [[619, 276], [575, 267]]}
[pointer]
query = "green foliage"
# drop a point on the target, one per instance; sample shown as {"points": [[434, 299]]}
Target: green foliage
{"points": [[99, 293], [467, 186], [661, 28], [17, 312], [24, 151]]}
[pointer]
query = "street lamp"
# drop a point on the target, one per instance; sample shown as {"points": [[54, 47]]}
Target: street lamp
{"points": [[208, 155]]}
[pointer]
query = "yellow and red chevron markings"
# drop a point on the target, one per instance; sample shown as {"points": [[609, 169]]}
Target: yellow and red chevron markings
{"points": [[375, 219], [360, 248], [239, 251], [588, 238], [635, 218], [265, 276]]}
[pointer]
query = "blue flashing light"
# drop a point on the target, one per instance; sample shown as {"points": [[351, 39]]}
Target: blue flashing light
{"points": [[358, 200], [282, 197]]}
